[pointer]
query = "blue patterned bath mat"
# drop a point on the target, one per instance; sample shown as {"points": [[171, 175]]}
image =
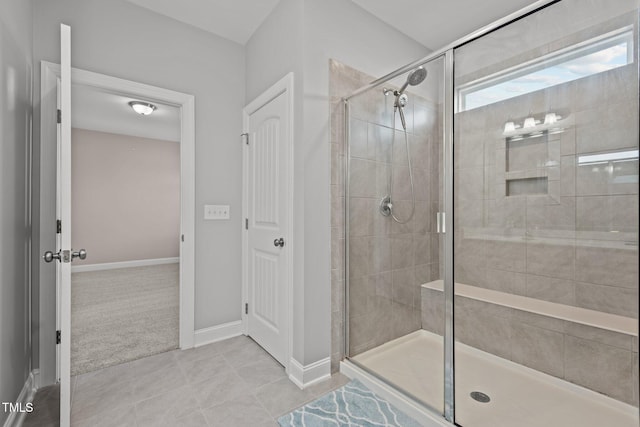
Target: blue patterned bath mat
{"points": [[352, 405]]}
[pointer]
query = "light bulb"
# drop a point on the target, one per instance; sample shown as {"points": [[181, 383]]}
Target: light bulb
{"points": [[550, 118], [529, 122], [509, 127]]}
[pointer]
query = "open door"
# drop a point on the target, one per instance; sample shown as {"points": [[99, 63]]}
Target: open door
{"points": [[63, 208], [64, 254], [268, 191]]}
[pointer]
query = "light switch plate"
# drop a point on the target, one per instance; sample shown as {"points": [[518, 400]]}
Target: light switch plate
{"points": [[216, 211]]}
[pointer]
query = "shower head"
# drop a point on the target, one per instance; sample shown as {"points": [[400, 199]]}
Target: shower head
{"points": [[414, 78]]}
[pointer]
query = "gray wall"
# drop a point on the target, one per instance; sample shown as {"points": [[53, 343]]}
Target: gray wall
{"points": [[377, 49], [122, 40], [326, 29], [15, 117]]}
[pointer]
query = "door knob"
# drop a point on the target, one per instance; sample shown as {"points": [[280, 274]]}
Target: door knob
{"points": [[50, 256], [278, 242], [64, 255], [82, 254]]}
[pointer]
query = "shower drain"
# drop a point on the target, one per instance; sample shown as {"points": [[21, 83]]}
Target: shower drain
{"points": [[480, 397]]}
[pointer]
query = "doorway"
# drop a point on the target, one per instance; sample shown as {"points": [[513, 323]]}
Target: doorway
{"points": [[125, 208], [55, 363]]}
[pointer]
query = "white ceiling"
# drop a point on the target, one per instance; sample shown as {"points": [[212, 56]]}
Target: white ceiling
{"points": [[232, 19], [101, 111], [436, 23], [433, 23]]}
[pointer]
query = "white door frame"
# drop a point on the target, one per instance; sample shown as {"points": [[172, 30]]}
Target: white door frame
{"points": [[186, 103], [284, 85]]}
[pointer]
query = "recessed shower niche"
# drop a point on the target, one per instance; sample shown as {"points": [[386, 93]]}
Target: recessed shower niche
{"points": [[532, 157]]}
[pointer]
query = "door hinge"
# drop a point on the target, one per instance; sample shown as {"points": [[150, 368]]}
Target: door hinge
{"points": [[245, 136], [182, 237], [58, 337], [59, 116], [246, 223], [58, 226], [246, 308]]}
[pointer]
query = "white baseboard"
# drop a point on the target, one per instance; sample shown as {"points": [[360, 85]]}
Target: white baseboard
{"points": [[217, 333], [403, 403], [305, 376], [36, 378], [123, 264], [15, 419]]}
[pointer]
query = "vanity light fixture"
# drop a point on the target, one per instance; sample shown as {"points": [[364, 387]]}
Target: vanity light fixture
{"points": [[529, 122], [143, 108], [532, 127]]}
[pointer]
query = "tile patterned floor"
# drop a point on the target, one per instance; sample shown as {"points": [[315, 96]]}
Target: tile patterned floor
{"points": [[46, 408], [228, 383]]}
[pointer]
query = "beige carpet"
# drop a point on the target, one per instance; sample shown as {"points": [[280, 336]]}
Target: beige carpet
{"points": [[123, 315]]}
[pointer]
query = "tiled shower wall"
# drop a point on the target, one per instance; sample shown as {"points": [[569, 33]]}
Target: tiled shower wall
{"points": [[573, 241], [576, 243], [388, 261]]}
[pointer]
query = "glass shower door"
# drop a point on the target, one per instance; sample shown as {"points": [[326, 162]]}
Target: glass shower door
{"points": [[546, 220], [393, 193]]}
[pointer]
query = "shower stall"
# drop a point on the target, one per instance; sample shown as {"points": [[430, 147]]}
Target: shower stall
{"points": [[490, 222]]}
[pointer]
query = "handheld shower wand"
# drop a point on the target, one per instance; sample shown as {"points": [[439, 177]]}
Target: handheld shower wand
{"points": [[414, 78]]}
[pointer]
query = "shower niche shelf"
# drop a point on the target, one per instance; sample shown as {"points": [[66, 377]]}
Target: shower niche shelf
{"points": [[526, 160], [528, 186]]}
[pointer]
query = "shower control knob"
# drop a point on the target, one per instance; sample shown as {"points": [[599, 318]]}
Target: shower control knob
{"points": [[278, 242]]}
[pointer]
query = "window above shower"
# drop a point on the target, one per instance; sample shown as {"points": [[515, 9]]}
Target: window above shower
{"points": [[596, 55]]}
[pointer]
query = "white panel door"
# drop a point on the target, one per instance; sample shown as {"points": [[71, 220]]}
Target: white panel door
{"points": [[63, 208], [268, 253]]}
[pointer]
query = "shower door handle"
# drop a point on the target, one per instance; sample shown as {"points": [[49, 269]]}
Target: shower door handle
{"points": [[278, 242]]}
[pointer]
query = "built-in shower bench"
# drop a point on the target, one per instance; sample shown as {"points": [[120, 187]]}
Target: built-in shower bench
{"points": [[570, 343], [583, 316]]}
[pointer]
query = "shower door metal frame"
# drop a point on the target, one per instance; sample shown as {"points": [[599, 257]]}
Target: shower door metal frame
{"points": [[449, 108]]}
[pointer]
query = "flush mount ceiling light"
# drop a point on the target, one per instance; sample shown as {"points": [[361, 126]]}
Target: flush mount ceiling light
{"points": [[143, 108]]}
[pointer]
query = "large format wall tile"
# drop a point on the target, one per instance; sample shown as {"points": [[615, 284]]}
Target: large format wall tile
{"points": [[433, 311], [607, 213], [597, 263], [602, 336], [608, 299], [607, 127], [600, 367], [485, 331], [551, 259], [538, 348], [546, 288]]}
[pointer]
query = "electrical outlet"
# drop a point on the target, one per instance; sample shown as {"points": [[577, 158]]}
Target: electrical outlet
{"points": [[216, 211]]}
